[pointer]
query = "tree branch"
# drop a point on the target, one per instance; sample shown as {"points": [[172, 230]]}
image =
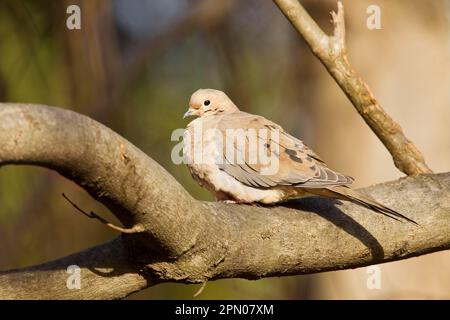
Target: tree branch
{"points": [[332, 52], [191, 241], [105, 271], [82, 150]]}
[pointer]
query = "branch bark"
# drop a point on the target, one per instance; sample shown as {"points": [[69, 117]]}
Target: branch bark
{"points": [[190, 241], [332, 52], [106, 273]]}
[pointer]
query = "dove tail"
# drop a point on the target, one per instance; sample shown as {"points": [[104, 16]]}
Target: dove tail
{"points": [[345, 193]]}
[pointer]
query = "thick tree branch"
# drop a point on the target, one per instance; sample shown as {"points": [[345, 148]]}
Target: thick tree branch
{"points": [[332, 52], [138, 192], [190, 241], [105, 270]]}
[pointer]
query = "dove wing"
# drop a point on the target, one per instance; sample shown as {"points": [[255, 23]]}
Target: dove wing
{"points": [[251, 142]]}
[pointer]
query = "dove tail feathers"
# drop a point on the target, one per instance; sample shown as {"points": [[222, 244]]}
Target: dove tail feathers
{"points": [[346, 193]]}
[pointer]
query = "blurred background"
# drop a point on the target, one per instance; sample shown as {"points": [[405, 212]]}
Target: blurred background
{"points": [[133, 67]]}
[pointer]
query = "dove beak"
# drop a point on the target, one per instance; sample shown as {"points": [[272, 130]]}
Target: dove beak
{"points": [[189, 113]]}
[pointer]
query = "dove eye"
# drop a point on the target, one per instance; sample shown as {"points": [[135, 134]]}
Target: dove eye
{"points": [[207, 102]]}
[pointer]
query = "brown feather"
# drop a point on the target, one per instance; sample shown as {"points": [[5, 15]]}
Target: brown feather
{"points": [[348, 194]]}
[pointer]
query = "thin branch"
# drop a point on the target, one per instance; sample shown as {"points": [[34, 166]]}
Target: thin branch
{"points": [[339, 29], [331, 51], [200, 290], [135, 229]]}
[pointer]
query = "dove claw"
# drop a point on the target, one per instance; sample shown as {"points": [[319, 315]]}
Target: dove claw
{"points": [[228, 201]]}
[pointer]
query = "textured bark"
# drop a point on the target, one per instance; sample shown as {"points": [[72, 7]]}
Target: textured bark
{"points": [[332, 52], [190, 241], [105, 270]]}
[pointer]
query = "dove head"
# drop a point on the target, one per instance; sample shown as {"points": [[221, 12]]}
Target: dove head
{"points": [[206, 102]]}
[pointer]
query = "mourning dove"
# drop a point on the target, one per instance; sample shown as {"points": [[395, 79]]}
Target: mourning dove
{"points": [[245, 158]]}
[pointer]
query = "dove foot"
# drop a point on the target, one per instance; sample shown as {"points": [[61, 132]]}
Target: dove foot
{"points": [[228, 201], [254, 204]]}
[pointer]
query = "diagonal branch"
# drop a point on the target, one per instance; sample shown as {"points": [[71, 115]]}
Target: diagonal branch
{"points": [[190, 241], [332, 52]]}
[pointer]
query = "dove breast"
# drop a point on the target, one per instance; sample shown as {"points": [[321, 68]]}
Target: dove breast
{"points": [[203, 155]]}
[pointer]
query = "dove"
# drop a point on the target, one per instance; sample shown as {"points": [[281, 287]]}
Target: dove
{"points": [[245, 158]]}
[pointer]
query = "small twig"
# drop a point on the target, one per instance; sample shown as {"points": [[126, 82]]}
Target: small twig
{"points": [[331, 51], [135, 229], [199, 291], [339, 29]]}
